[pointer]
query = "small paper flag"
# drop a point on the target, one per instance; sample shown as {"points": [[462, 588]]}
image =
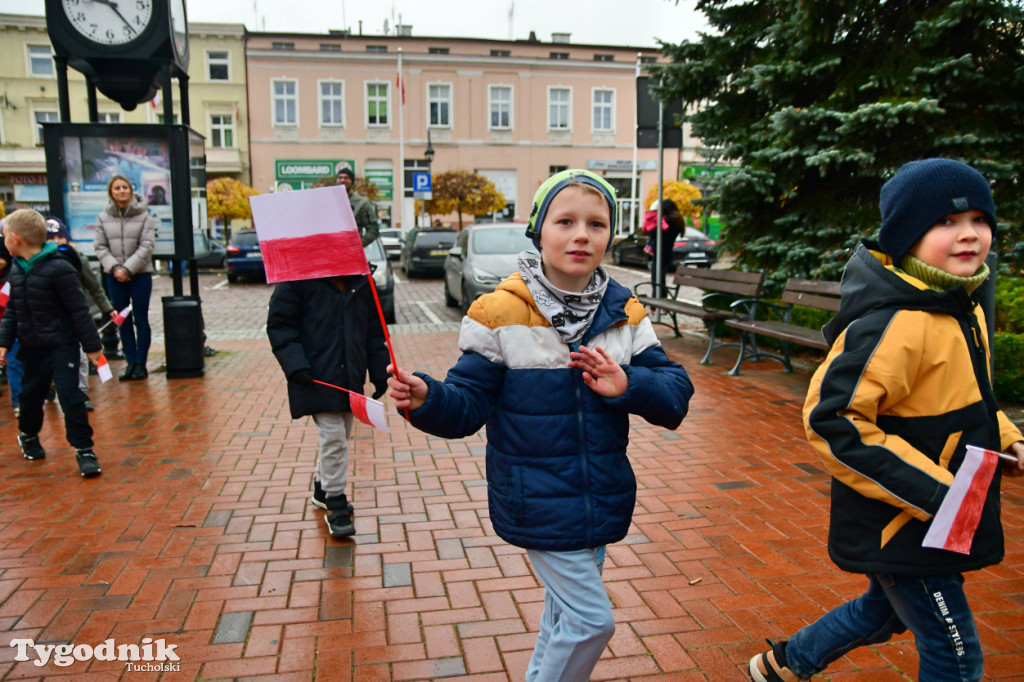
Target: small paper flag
{"points": [[954, 524], [103, 370], [120, 317], [5, 294], [366, 410]]}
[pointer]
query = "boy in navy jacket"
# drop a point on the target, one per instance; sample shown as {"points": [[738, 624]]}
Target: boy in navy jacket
{"points": [[553, 362]]}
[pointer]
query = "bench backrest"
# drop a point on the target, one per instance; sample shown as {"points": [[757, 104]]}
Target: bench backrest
{"points": [[812, 293], [745, 284]]}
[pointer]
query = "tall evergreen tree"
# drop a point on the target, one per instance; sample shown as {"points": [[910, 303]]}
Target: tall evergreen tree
{"points": [[819, 101]]}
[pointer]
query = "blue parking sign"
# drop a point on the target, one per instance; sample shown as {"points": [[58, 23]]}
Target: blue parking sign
{"points": [[421, 182]]}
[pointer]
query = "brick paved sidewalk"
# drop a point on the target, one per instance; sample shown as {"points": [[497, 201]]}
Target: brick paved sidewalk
{"points": [[200, 533]]}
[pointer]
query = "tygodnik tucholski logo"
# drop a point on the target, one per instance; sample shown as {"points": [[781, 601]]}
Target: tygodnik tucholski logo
{"points": [[150, 656]]}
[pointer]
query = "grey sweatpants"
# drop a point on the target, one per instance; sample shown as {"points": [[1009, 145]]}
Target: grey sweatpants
{"points": [[332, 454]]}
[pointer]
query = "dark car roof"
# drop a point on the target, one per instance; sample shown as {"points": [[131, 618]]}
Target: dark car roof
{"points": [[245, 238]]}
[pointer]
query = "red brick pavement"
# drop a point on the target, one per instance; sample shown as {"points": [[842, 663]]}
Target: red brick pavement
{"points": [[200, 533]]}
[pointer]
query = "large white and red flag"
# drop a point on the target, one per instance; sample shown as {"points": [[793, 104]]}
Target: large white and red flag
{"points": [[954, 524], [308, 234]]}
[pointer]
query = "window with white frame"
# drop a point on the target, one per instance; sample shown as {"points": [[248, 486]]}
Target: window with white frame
{"points": [[604, 110], [222, 130], [500, 106], [44, 117], [377, 104], [285, 102], [40, 61], [558, 108], [332, 103], [103, 117], [218, 65], [439, 101]]}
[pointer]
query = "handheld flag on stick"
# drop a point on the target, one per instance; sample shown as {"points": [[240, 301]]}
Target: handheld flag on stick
{"points": [[307, 234], [118, 318], [5, 294], [103, 370], [954, 524], [366, 410]]}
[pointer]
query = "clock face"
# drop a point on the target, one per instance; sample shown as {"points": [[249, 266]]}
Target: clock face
{"points": [[109, 22], [179, 28]]}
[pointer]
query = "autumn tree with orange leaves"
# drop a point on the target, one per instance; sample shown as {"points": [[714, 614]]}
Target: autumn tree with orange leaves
{"points": [[362, 186], [228, 199], [464, 192]]}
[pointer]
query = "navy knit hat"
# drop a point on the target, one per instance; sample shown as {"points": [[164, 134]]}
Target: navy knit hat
{"points": [[345, 170], [55, 227], [921, 193]]}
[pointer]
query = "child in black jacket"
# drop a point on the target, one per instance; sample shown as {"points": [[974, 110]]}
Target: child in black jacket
{"points": [[48, 314]]}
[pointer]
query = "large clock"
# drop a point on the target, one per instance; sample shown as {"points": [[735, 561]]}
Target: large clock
{"points": [[107, 22]]}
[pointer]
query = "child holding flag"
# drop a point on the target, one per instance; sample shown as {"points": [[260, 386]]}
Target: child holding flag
{"points": [[328, 330], [892, 410], [553, 362], [50, 327]]}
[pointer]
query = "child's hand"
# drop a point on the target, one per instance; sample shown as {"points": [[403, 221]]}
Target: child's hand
{"points": [[406, 390], [600, 372], [94, 357], [1010, 469]]}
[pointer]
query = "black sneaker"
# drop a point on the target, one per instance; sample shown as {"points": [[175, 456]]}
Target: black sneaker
{"points": [[31, 447], [88, 465], [319, 498], [339, 517], [771, 665]]}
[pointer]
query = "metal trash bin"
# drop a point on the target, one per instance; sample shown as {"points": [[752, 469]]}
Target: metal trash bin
{"points": [[183, 337]]}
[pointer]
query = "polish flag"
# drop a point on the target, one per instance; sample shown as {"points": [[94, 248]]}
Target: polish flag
{"points": [[5, 294], [307, 234], [366, 410], [120, 317], [953, 526], [103, 370]]}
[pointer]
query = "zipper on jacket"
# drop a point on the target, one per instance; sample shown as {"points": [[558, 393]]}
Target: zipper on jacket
{"points": [[584, 460]]}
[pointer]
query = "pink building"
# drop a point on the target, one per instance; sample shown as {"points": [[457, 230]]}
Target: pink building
{"points": [[514, 111]]}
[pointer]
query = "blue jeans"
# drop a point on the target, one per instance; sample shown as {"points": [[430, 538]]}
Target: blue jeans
{"points": [[577, 621], [15, 372], [934, 608], [136, 334]]}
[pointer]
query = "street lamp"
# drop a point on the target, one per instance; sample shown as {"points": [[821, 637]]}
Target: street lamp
{"points": [[428, 154]]}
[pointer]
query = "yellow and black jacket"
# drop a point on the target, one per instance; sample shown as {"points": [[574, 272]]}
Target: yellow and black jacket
{"points": [[904, 390]]}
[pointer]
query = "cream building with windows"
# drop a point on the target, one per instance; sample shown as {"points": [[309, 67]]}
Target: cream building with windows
{"points": [[514, 111], [28, 99]]}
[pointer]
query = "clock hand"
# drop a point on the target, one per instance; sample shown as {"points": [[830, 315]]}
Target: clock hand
{"points": [[113, 5]]}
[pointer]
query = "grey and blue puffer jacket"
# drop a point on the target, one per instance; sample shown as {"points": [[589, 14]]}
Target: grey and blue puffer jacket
{"points": [[557, 472]]}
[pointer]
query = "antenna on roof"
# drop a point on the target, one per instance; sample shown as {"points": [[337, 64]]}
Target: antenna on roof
{"points": [[511, 15]]}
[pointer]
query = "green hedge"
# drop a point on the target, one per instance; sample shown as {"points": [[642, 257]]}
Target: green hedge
{"points": [[1010, 304], [1008, 377]]}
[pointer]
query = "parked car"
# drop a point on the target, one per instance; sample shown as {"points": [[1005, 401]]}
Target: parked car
{"points": [[217, 258], [483, 255], [391, 240], [244, 256], [693, 247], [383, 278], [425, 249]]}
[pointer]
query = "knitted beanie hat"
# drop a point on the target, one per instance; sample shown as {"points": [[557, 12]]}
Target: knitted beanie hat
{"points": [[345, 170], [921, 193], [555, 184], [55, 227]]}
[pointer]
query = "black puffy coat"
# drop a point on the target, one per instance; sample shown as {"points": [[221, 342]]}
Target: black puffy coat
{"points": [[47, 307], [336, 336]]}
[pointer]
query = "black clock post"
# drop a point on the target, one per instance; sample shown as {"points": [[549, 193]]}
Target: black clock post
{"points": [[129, 50]]}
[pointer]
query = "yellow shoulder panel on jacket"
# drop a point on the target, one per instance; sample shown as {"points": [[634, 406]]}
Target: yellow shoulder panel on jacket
{"points": [[509, 304]]}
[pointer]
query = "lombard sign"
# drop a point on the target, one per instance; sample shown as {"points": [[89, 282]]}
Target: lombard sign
{"points": [[296, 171]]}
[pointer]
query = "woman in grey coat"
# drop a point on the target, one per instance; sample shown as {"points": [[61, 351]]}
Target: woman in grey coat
{"points": [[125, 236]]}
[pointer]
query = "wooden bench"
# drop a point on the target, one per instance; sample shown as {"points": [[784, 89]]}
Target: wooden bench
{"points": [[716, 305], [809, 293]]}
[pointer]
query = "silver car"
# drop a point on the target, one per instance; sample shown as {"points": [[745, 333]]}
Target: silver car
{"points": [[483, 255]]}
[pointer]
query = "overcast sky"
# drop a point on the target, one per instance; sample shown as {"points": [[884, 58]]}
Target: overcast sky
{"points": [[602, 22]]}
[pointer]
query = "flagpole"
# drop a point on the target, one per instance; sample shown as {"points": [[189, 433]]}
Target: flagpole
{"points": [[399, 183], [636, 124]]}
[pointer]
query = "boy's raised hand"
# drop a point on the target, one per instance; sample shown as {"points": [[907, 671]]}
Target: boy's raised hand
{"points": [[600, 372], [406, 390], [1011, 469]]}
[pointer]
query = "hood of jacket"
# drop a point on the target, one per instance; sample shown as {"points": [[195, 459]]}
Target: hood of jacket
{"points": [[871, 282], [138, 205]]}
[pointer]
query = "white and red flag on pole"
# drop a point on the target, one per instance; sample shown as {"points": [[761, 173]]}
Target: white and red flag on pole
{"points": [[308, 234], [954, 524], [103, 370], [400, 86], [366, 410], [5, 294], [120, 317]]}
